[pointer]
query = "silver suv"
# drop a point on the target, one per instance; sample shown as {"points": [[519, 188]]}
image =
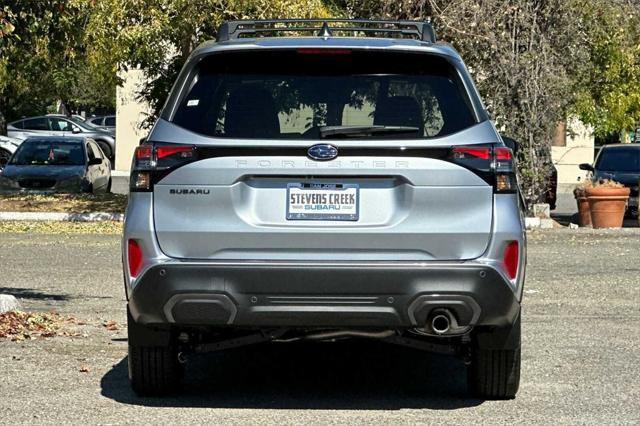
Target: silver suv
{"points": [[337, 185], [61, 126]]}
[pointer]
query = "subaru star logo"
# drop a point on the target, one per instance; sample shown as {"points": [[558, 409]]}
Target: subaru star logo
{"points": [[322, 152]]}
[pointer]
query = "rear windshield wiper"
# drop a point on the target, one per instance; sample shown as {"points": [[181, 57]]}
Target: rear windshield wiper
{"points": [[336, 132]]}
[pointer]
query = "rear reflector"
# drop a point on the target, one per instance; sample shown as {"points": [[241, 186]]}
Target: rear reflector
{"points": [[134, 257], [510, 259]]}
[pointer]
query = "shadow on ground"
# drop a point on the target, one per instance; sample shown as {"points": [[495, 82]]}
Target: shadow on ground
{"points": [[357, 375], [29, 293]]}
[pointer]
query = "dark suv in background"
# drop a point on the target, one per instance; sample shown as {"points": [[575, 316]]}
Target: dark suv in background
{"points": [[619, 162]]}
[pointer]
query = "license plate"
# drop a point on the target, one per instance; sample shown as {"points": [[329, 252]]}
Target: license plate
{"points": [[322, 201]]}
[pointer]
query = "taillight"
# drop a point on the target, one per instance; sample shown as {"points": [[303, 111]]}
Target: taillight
{"points": [[495, 164], [468, 152], [182, 151], [153, 161], [134, 257], [510, 259]]}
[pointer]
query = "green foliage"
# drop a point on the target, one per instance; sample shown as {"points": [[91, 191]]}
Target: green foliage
{"points": [[608, 85], [43, 58], [517, 53], [157, 36], [534, 61]]}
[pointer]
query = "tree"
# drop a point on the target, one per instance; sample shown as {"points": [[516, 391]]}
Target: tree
{"points": [[157, 36], [518, 52], [43, 58], [608, 84]]}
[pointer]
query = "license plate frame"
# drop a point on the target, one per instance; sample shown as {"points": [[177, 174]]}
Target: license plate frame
{"points": [[315, 213]]}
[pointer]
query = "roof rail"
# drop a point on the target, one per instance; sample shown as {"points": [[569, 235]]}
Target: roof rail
{"points": [[326, 28]]}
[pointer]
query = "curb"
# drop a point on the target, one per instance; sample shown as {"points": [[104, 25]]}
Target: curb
{"points": [[538, 223], [69, 217]]}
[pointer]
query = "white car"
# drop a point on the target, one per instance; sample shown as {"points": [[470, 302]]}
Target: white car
{"points": [[7, 147]]}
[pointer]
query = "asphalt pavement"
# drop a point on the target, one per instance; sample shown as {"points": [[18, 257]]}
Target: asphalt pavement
{"points": [[581, 354]]}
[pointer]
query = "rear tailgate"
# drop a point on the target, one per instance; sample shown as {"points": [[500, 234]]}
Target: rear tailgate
{"points": [[257, 193], [409, 209]]}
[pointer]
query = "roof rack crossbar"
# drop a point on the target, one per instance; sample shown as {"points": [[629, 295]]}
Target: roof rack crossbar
{"points": [[236, 29]]}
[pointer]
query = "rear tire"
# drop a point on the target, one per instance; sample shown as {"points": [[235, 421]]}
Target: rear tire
{"points": [[494, 374], [154, 369]]}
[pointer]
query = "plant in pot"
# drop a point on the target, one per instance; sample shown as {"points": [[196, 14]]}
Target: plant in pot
{"points": [[584, 215], [607, 202]]}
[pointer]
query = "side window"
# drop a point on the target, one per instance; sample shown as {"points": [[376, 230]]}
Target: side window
{"points": [[96, 121], [110, 121], [90, 153], [97, 152], [60, 125], [18, 124], [36, 124]]}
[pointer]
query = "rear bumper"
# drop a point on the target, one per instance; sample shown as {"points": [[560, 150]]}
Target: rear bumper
{"points": [[293, 294]]}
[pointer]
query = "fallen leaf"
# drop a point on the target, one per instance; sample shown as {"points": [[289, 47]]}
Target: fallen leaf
{"points": [[111, 325]]}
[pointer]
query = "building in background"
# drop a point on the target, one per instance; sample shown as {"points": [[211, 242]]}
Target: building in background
{"points": [[573, 144], [130, 113]]}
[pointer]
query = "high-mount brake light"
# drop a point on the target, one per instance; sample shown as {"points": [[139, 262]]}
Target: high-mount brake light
{"points": [[323, 51], [153, 161]]}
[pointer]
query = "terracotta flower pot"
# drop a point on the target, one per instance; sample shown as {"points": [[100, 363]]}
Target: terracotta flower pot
{"points": [[607, 206], [584, 215]]}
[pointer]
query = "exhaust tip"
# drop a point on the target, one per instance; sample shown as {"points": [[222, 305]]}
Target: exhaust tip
{"points": [[440, 324]]}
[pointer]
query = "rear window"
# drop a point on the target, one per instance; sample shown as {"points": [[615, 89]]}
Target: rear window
{"points": [[297, 94], [49, 153], [619, 159]]}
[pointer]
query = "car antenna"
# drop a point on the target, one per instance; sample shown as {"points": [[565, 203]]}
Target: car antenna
{"points": [[325, 31]]}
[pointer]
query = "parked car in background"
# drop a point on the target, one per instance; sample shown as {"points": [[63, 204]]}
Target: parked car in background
{"points": [[58, 125], [7, 147], [619, 162], [108, 121], [57, 164], [75, 116]]}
